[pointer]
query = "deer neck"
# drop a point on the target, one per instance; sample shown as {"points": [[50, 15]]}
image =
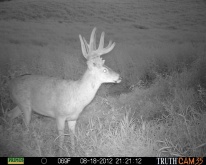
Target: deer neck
{"points": [[88, 86]]}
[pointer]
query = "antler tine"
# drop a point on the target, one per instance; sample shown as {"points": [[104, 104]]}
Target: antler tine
{"points": [[109, 47], [84, 46], [101, 42], [92, 44], [110, 43]]}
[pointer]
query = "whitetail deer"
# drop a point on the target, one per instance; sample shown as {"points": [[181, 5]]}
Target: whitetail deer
{"points": [[63, 99]]}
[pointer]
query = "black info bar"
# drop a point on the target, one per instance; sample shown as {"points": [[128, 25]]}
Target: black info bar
{"points": [[104, 160]]}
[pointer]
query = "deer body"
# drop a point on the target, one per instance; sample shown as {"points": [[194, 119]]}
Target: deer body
{"points": [[63, 99]]}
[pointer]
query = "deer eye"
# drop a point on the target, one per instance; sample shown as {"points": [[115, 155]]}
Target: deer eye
{"points": [[105, 70]]}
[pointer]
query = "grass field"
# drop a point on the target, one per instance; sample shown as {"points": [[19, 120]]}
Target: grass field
{"points": [[158, 109]]}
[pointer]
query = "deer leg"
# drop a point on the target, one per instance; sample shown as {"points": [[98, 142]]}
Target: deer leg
{"points": [[26, 109], [72, 125], [14, 113], [27, 114], [60, 127]]}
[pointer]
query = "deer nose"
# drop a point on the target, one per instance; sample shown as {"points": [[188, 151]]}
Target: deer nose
{"points": [[119, 80]]}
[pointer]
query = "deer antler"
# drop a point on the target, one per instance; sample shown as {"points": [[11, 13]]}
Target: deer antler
{"points": [[89, 50]]}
